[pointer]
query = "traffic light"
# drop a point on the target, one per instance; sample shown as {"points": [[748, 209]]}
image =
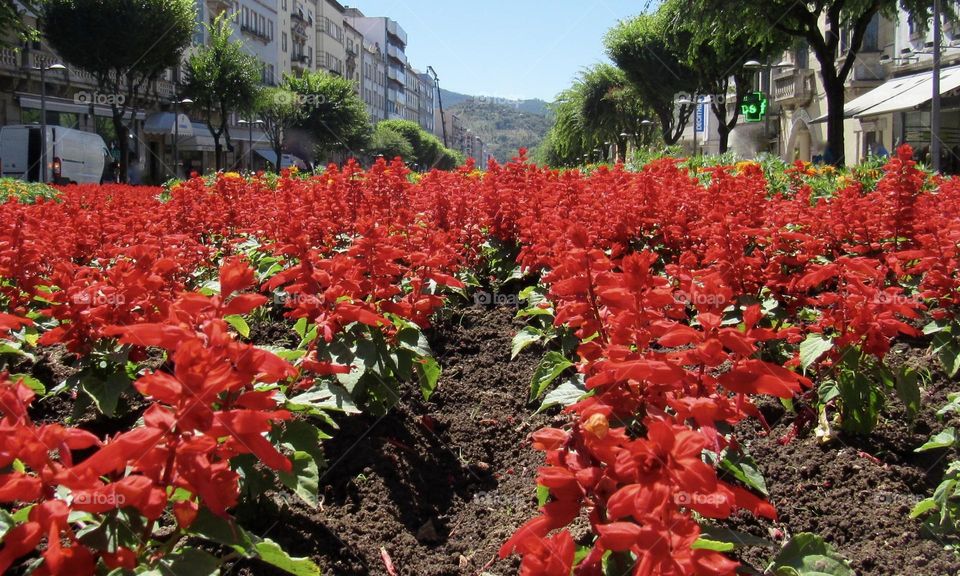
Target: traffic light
{"points": [[754, 107]]}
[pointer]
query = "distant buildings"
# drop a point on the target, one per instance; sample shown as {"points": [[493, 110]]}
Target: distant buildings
{"points": [[286, 36]]}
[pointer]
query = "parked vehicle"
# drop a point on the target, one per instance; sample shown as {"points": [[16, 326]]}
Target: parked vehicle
{"points": [[73, 156]]}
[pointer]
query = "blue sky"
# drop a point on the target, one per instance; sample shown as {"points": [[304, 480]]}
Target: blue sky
{"points": [[504, 48]]}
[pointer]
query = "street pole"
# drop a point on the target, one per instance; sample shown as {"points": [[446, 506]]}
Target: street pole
{"points": [[43, 124], [935, 102], [176, 138], [250, 148], [443, 119]]}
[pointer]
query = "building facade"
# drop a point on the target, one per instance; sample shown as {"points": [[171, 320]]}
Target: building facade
{"points": [[391, 38]]}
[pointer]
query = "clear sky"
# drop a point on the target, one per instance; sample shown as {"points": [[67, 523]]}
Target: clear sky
{"points": [[504, 48]]}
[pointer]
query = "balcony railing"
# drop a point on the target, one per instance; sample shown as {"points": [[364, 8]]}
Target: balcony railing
{"points": [[794, 87]]}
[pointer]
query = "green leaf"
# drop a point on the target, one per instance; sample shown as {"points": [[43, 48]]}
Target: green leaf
{"points": [[812, 349], [543, 495], [271, 553], [946, 346], [328, 397], [429, 371], [189, 562], [30, 382], [525, 337], [735, 537], [808, 555], [744, 468], [945, 439], [570, 391], [923, 507], [301, 327], [222, 531], [304, 480], [552, 365], [239, 324], [952, 405], [704, 544], [105, 392], [861, 403], [6, 523], [907, 386]]}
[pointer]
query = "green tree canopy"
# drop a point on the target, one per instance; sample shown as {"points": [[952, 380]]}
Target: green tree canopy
{"points": [[222, 78], [13, 22], [428, 151], [716, 49], [332, 111], [390, 144], [656, 67], [110, 39]]}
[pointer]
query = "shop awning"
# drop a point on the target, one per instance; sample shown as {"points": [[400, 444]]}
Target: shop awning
{"points": [[903, 93], [162, 124], [76, 106], [201, 141], [287, 160]]}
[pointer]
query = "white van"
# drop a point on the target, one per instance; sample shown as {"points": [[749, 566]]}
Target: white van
{"points": [[73, 156]]}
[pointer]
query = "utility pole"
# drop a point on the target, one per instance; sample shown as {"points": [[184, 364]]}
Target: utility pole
{"points": [[935, 102], [443, 119]]}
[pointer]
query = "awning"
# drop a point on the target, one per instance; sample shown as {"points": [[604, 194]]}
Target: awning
{"points": [[162, 123], [903, 93], [201, 141], [287, 160], [72, 106]]}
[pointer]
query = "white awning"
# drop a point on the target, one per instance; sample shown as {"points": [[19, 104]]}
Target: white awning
{"points": [[287, 160], [62, 105], [162, 123], [903, 93], [201, 140]]}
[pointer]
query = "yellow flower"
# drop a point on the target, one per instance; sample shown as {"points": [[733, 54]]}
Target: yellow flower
{"points": [[232, 176]]}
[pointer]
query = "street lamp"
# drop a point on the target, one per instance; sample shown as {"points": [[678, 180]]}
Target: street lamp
{"points": [[43, 115], [935, 101], [250, 124], [443, 119], [176, 133]]}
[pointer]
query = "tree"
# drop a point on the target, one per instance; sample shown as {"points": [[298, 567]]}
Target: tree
{"points": [[389, 143], [657, 69], [428, 151], [109, 39], [15, 27], [716, 51], [332, 111], [222, 78], [280, 111], [611, 108], [841, 19]]}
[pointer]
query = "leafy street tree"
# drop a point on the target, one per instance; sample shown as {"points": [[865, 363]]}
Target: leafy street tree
{"points": [[716, 51], [280, 111], [827, 26], [13, 23], [428, 151], [331, 111], [389, 143], [222, 78], [610, 107], [642, 48], [109, 39]]}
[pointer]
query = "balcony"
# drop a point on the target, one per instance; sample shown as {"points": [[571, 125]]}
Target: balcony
{"points": [[397, 75], [396, 53], [300, 61], [258, 34], [217, 7], [394, 29], [299, 29], [300, 14], [794, 88]]}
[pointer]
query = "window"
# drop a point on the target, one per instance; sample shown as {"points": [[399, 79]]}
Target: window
{"points": [[283, 41]]}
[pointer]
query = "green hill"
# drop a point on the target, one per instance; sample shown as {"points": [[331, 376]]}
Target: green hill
{"points": [[505, 127]]}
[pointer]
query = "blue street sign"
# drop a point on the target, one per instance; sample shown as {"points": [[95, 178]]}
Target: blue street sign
{"points": [[701, 117]]}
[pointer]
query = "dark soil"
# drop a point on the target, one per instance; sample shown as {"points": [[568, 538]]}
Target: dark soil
{"points": [[438, 485], [858, 505]]}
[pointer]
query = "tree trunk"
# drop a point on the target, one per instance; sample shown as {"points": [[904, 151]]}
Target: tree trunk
{"points": [[123, 134], [217, 152], [622, 150], [724, 138], [279, 152], [835, 101]]}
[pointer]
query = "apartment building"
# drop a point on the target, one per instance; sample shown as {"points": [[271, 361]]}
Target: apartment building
{"points": [[391, 38], [373, 81], [462, 139]]}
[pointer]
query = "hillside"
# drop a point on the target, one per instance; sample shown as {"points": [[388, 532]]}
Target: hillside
{"points": [[532, 106], [505, 128]]}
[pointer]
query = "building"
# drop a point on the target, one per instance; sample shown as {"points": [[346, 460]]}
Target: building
{"points": [[331, 38], [373, 81], [392, 40], [428, 101]]}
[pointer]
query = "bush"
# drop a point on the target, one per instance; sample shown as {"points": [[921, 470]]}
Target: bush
{"points": [[26, 192]]}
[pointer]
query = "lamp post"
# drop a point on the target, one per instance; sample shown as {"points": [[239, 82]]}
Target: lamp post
{"points": [[250, 124], [43, 115], [443, 119], [935, 101], [176, 133]]}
